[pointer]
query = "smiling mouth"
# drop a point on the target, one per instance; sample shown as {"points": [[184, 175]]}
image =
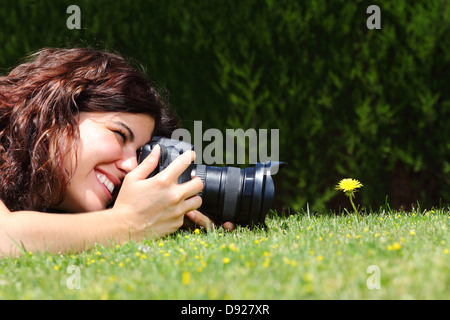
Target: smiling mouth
{"points": [[106, 182]]}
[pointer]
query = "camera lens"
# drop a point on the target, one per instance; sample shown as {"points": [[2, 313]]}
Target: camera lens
{"points": [[242, 196]]}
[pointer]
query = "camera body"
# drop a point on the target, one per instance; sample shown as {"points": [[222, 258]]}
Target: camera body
{"points": [[243, 196]]}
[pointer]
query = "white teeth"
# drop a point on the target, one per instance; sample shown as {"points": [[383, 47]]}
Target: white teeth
{"points": [[107, 183]]}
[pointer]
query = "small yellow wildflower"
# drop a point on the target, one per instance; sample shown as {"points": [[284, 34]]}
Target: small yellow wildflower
{"points": [[307, 277], [233, 248], [185, 278], [197, 231], [226, 260], [395, 246]]}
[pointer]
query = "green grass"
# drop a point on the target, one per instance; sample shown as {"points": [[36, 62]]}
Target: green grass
{"points": [[303, 256]]}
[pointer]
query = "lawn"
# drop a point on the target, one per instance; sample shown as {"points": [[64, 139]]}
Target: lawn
{"points": [[380, 255]]}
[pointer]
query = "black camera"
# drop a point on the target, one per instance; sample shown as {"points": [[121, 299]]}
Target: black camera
{"points": [[243, 196]]}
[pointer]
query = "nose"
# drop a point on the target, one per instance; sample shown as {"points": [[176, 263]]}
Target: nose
{"points": [[128, 162]]}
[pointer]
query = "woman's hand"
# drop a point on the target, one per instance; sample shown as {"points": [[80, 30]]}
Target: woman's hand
{"points": [[157, 205], [200, 219]]}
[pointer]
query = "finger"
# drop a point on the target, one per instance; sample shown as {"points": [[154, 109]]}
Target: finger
{"points": [[191, 204], [191, 188], [148, 165], [179, 165], [229, 226], [200, 219]]}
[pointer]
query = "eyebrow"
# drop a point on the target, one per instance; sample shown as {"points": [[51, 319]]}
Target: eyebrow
{"points": [[130, 132]]}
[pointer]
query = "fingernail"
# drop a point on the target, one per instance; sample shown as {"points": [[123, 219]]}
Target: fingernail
{"points": [[190, 214]]}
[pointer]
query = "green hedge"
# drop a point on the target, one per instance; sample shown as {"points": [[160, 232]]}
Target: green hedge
{"points": [[349, 102]]}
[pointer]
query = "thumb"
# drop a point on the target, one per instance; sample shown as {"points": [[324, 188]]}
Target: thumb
{"points": [[143, 170]]}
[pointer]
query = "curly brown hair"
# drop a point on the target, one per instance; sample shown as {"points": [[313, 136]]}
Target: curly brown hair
{"points": [[40, 101]]}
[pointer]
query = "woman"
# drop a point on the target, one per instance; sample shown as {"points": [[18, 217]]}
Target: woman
{"points": [[71, 123]]}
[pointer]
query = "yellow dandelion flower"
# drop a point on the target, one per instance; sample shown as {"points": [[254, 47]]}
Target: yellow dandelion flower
{"points": [[348, 185], [226, 260]]}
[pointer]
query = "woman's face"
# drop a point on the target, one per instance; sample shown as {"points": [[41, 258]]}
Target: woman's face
{"points": [[106, 153]]}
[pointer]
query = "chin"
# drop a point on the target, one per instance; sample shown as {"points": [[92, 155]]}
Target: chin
{"points": [[85, 206], [94, 206]]}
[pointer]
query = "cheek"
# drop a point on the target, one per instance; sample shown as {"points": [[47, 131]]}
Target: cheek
{"points": [[99, 147]]}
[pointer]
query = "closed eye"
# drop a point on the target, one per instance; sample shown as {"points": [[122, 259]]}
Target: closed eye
{"points": [[124, 131], [121, 134]]}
